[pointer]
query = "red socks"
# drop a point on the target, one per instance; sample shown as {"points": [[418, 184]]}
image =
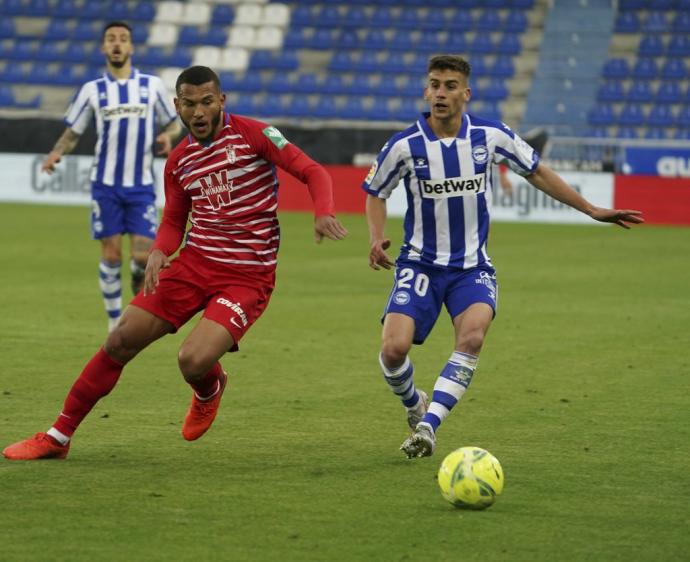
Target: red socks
{"points": [[96, 380], [208, 386]]}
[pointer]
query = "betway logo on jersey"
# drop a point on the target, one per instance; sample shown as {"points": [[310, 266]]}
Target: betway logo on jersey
{"points": [[216, 188], [453, 187], [124, 111]]}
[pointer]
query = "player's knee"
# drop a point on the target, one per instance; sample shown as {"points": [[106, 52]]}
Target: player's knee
{"points": [[112, 254], [393, 352], [116, 346], [471, 342], [192, 364]]}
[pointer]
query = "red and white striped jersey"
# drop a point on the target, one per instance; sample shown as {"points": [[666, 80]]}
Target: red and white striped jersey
{"points": [[230, 187]]}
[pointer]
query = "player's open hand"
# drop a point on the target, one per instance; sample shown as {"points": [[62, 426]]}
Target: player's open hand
{"points": [[377, 255], [621, 217], [329, 227], [163, 144], [157, 261], [50, 162]]}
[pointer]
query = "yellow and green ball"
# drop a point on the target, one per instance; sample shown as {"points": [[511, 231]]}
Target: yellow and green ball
{"points": [[470, 478]]}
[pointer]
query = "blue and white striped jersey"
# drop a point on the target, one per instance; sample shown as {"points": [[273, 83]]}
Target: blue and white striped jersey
{"points": [[127, 113], [448, 184]]}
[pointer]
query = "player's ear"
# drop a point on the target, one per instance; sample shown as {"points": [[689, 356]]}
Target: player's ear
{"points": [[467, 95]]}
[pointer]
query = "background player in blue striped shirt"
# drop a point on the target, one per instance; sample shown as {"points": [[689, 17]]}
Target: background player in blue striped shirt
{"points": [[129, 108], [445, 162]]}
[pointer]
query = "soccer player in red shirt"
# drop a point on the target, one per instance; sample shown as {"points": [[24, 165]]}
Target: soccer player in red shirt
{"points": [[222, 178]]}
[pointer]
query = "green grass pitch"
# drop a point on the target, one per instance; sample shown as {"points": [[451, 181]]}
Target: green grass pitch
{"points": [[581, 393]]}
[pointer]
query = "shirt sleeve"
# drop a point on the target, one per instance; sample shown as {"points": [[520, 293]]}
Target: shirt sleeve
{"points": [[514, 152], [271, 145], [80, 111], [386, 172], [164, 107], [175, 214]]}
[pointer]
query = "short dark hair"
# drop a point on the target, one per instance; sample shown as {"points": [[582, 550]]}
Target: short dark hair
{"points": [[197, 75], [116, 24], [450, 62]]}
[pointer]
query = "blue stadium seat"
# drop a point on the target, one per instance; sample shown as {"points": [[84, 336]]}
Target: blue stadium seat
{"points": [[627, 5], [332, 84], [601, 115], [355, 17], [50, 51], [68, 9], [655, 133], [598, 132], [367, 62], [632, 115], [669, 92], [409, 18], [153, 56], [299, 107], [509, 44], [651, 46], [488, 20], [279, 83], [611, 91], [461, 21], [682, 133], [7, 30], [406, 111], [297, 38], [301, 16], [189, 35], [523, 4], [656, 22], [616, 68], [639, 92], [491, 110], [6, 96], [249, 82], [678, 46], [306, 83], [323, 38], [24, 50], [140, 33], [627, 22], [627, 133], [645, 69], [674, 69], [481, 44], [516, 22], [681, 22], [353, 108], [359, 85], [286, 60], [87, 31], [93, 11], [661, 4], [495, 90], [143, 11], [434, 20], [683, 117], [660, 116], [58, 29], [375, 39], [329, 16], [40, 8], [378, 110], [503, 67], [222, 14], [325, 107], [429, 42], [349, 39], [400, 41], [455, 43], [12, 8], [12, 73], [342, 61]]}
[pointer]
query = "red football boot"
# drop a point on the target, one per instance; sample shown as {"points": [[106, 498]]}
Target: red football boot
{"points": [[202, 413], [40, 446]]}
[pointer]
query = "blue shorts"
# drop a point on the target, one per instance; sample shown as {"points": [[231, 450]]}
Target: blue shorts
{"points": [[123, 210], [420, 290]]}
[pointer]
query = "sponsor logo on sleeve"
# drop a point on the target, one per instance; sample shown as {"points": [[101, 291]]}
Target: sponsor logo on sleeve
{"points": [[276, 137], [462, 186], [372, 172]]}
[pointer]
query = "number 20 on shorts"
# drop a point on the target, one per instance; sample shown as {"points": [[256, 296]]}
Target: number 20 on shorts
{"points": [[408, 280]]}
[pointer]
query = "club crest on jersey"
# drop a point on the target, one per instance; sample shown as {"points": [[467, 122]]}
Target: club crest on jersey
{"points": [[216, 188], [420, 162], [480, 154], [231, 155]]}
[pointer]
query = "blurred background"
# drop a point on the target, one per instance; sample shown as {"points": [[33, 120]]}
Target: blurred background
{"points": [[606, 82]]}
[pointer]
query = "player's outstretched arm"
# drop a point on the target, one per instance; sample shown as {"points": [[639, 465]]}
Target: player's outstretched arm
{"points": [[329, 227], [64, 145], [165, 139], [548, 181]]}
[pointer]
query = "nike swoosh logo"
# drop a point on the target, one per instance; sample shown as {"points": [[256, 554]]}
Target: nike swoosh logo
{"points": [[234, 322]]}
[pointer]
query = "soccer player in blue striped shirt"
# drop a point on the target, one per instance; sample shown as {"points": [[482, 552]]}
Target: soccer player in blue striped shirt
{"points": [[444, 162], [132, 111]]}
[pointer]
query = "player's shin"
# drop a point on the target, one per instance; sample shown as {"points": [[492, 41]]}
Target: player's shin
{"points": [[401, 382], [209, 385], [450, 386], [111, 289], [96, 380], [137, 271]]}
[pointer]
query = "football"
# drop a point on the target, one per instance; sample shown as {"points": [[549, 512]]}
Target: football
{"points": [[470, 478]]}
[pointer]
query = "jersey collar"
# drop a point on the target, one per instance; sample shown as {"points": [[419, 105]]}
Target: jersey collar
{"points": [[429, 133], [111, 78]]}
